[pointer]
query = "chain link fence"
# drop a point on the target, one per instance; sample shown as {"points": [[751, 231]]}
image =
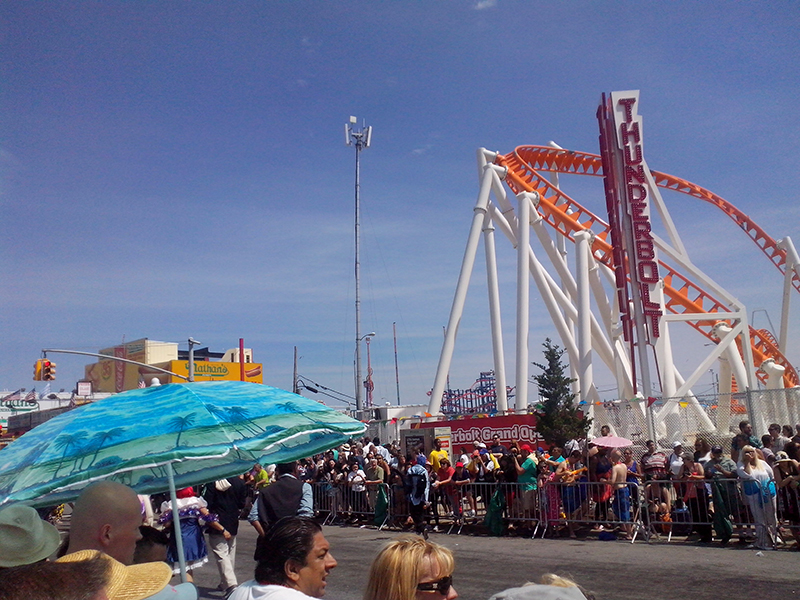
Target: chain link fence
{"points": [[713, 417]]}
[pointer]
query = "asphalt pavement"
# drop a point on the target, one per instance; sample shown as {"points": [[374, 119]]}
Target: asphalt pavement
{"points": [[611, 570]]}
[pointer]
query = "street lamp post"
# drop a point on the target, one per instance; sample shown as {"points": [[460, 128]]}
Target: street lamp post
{"points": [[368, 385], [360, 138], [359, 381], [192, 343]]}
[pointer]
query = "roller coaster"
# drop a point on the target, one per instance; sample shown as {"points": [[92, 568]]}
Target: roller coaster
{"points": [[746, 355]]}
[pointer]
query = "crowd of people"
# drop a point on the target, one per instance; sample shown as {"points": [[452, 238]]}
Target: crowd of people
{"points": [[121, 545], [109, 554], [559, 491]]}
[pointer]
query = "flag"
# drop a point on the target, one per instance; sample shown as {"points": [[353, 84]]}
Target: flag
{"points": [[45, 391], [31, 396], [13, 396]]}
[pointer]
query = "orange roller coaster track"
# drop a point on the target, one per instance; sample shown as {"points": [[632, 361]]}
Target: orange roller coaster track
{"points": [[681, 295]]}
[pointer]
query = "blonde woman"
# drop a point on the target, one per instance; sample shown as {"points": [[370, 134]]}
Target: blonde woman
{"points": [[411, 568], [759, 492]]}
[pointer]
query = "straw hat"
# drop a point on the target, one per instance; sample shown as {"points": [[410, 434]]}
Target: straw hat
{"points": [[24, 537], [782, 457], [134, 582]]}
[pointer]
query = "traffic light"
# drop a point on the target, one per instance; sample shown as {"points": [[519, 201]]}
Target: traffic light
{"points": [[48, 370], [37, 370]]}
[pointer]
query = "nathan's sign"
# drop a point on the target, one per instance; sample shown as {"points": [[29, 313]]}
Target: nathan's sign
{"points": [[629, 189], [103, 375]]}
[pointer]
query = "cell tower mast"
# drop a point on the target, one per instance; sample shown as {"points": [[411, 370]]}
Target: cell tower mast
{"points": [[360, 138]]}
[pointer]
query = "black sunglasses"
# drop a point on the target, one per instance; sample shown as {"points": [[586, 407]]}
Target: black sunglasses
{"points": [[442, 585]]}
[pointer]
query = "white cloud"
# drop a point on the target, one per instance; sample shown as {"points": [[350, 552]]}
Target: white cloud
{"points": [[483, 4], [310, 46]]}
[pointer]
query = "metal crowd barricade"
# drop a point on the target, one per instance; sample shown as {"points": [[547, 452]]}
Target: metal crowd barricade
{"points": [[725, 512], [482, 493], [326, 500], [788, 506], [668, 512], [463, 501], [469, 504], [558, 505], [522, 506], [398, 506], [595, 504], [342, 501]]}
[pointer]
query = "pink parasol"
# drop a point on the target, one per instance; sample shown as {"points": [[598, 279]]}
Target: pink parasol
{"points": [[611, 441]]}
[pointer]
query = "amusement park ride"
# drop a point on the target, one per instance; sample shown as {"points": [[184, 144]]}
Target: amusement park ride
{"points": [[627, 285]]}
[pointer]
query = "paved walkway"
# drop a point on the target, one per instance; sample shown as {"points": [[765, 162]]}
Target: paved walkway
{"points": [[612, 570]]}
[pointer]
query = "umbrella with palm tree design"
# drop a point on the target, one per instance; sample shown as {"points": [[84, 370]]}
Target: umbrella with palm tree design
{"points": [[205, 430]]}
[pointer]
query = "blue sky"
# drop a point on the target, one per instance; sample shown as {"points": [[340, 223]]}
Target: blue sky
{"points": [[178, 169]]}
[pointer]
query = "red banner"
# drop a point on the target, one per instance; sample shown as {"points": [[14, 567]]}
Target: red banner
{"points": [[466, 429]]}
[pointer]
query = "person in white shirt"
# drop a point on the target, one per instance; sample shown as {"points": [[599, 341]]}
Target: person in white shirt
{"points": [[297, 567], [675, 460], [381, 450], [357, 479], [778, 439]]}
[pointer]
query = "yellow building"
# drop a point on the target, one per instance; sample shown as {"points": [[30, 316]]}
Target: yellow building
{"points": [[114, 376]]}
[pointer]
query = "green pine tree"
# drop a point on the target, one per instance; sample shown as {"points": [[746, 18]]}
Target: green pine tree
{"points": [[558, 419]]}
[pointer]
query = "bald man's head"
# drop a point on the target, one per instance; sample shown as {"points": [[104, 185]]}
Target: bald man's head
{"points": [[106, 517]]}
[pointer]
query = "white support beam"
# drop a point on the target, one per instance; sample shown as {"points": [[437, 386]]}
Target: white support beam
{"points": [[494, 315], [792, 268], [457, 309], [583, 240], [524, 208]]}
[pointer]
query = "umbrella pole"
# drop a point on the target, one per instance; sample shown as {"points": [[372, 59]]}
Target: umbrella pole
{"points": [[176, 522]]}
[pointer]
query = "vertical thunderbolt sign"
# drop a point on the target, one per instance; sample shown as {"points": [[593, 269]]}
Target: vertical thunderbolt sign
{"points": [[629, 186], [644, 270]]}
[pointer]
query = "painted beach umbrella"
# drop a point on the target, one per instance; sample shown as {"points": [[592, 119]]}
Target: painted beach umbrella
{"points": [[205, 431]]}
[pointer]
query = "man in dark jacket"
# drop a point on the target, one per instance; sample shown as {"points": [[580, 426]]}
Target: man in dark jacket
{"points": [[286, 497], [226, 498]]}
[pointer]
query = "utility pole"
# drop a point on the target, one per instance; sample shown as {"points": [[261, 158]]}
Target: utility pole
{"points": [[396, 368], [360, 138], [294, 376]]}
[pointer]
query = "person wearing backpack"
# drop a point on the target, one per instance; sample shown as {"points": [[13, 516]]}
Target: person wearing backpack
{"points": [[417, 490]]}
